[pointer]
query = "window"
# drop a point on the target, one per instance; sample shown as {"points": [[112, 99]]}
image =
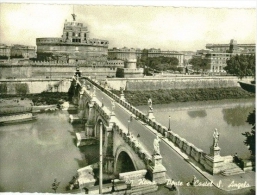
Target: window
{"points": [[73, 34]]}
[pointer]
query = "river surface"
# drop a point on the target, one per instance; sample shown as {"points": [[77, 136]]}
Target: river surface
{"points": [[33, 154], [196, 121]]}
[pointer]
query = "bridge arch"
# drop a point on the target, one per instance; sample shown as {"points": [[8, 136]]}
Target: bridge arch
{"points": [[126, 160], [124, 163]]}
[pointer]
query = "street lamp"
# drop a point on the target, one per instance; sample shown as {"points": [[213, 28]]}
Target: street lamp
{"points": [[169, 124], [128, 128]]}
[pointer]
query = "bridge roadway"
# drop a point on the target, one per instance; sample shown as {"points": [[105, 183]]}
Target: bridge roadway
{"points": [[177, 168]]}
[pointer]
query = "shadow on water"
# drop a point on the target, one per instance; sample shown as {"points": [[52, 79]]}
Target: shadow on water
{"points": [[74, 140], [90, 155], [236, 116], [72, 133], [2, 189], [81, 163], [197, 113]]}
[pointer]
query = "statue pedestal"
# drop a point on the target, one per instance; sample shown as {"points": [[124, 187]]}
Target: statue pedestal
{"points": [[122, 97], [150, 115], [214, 151], [214, 163], [157, 170]]}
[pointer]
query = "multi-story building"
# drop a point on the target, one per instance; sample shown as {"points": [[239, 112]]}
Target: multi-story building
{"points": [[5, 51], [23, 51], [129, 56], [152, 52], [74, 46], [115, 63], [217, 60], [232, 47], [218, 54], [122, 53], [188, 55]]}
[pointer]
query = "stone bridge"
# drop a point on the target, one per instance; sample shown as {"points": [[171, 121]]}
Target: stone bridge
{"points": [[121, 150], [99, 108]]}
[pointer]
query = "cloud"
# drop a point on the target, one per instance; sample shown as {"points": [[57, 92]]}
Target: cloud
{"points": [[167, 28]]}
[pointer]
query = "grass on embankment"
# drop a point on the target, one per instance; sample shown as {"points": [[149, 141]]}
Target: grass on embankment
{"points": [[161, 96]]}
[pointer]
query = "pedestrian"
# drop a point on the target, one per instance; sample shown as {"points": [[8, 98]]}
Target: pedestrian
{"points": [[194, 180], [235, 158]]}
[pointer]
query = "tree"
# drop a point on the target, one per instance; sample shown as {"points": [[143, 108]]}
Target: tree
{"points": [[200, 63], [241, 65], [162, 63], [250, 136]]}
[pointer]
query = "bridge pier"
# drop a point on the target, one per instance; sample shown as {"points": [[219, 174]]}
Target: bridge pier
{"points": [[90, 124], [108, 147], [157, 170]]}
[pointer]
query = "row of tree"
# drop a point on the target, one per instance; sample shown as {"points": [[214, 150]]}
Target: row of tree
{"points": [[238, 65], [241, 65], [199, 64], [160, 63]]}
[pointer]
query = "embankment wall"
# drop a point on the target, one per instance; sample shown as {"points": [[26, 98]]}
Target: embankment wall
{"points": [[143, 84]]}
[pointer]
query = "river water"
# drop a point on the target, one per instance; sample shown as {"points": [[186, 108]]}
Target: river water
{"points": [[196, 121], [33, 154]]}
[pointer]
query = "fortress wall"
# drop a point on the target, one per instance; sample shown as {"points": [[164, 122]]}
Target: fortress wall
{"points": [[48, 71], [15, 71], [34, 86], [138, 84]]}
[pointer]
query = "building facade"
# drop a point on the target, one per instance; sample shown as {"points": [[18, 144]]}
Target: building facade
{"points": [[23, 51], [122, 53], [152, 52], [232, 47], [129, 57], [74, 46], [218, 54], [5, 51]]}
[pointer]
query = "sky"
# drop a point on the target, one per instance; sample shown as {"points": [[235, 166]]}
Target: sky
{"points": [[169, 27]]}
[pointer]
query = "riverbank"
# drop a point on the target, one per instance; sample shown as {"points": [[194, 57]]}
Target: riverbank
{"points": [[44, 98], [162, 96]]}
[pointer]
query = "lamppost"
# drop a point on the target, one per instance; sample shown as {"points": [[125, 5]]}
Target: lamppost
{"points": [[128, 128], [169, 124], [101, 160]]}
